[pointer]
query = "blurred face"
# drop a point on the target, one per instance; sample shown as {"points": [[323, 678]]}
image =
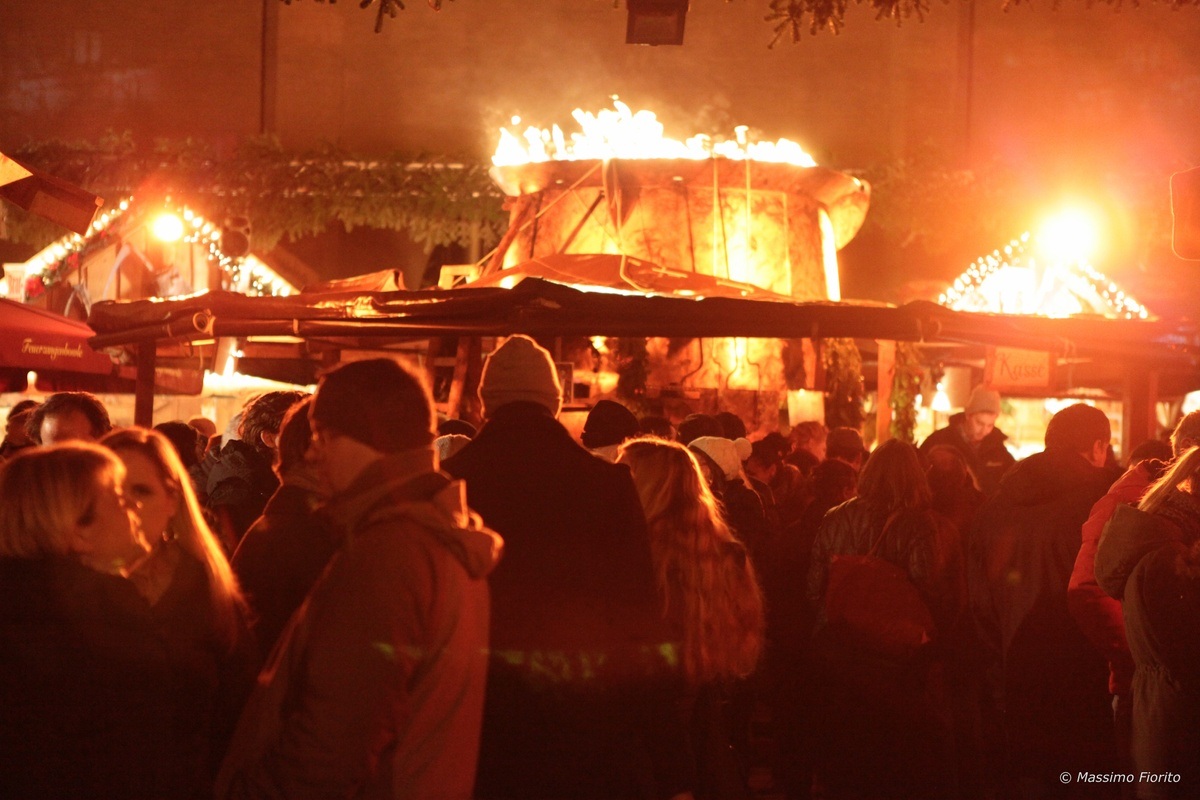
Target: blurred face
{"points": [[65, 427], [339, 458], [157, 503], [979, 425], [817, 448], [107, 538], [14, 430]]}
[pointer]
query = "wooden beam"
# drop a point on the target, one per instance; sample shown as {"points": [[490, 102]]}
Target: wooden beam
{"points": [[143, 398], [886, 361]]}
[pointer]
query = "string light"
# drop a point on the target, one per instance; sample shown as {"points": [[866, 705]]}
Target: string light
{"points": [[1016, 283], [197, 230]]}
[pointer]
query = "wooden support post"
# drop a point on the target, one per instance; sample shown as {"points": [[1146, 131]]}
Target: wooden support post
{"points": [[883, 393], [143, 398], [462, 403], [1140, 420]]}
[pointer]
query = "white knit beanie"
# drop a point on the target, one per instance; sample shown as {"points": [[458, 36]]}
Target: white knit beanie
{"points": [[519, 369], [722, 451]]}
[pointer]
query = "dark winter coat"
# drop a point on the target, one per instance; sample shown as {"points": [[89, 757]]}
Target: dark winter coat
{"points": [[1050, 681], [1142, 561], [88, 697], [575, 616], [988, 460], [239, 486], [376, 687], [281, 557], [213, 677], [883, 727]]}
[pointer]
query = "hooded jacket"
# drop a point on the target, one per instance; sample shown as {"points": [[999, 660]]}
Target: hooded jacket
{"points": [[1099, 616], [376, 688], [1142, 560]]}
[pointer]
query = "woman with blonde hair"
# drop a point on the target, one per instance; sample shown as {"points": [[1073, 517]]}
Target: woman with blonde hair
{"points": [[1149, 558], [87, 703], [194, 596], [709, 593]]}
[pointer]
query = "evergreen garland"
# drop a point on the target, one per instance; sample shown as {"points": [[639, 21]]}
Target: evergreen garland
{"points": [[906, 385], [843, 384], [282, 194]]}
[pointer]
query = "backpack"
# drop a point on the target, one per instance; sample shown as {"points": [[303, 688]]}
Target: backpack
{"points": [[873, 604]]}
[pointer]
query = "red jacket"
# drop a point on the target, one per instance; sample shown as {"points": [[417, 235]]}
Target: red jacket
{"points": [[1098, 615]]}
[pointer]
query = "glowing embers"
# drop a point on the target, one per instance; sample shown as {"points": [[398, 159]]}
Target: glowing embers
{"points": [[621, 132], [1013, 281]]}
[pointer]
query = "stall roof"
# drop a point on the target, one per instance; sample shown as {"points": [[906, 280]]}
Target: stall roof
{"points": [[540, 307]]}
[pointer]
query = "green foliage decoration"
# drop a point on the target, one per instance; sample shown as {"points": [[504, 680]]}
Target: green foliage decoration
{"points": [[906, 385], [283, 194], [843, 384]]}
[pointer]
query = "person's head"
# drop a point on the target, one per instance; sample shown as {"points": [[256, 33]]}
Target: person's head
{"points": [[186, 440], [366, 410], [668, 478], [1081, 429], [732, 426], [765, 457], [608, 423], [519, 370], [1186, 433], [169, 512], [832, 483], [696, 425], [69, 501], [15, 426], [981, 411], [448, 446], [204, 426], [846, 444], [725, 453], [948, 472], [654, 425], [263, 416], [295, 437], [1155, 449], [456, 427], [892, 478], [702, 571], [811, 437], [1182, 476], [67, 417]]}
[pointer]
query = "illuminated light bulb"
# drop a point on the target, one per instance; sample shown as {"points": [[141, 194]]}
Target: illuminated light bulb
{"points": [[167, 227], [1071, 235]]}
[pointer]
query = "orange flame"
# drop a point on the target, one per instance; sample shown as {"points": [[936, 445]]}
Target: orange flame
{"points": [[623, 133]]}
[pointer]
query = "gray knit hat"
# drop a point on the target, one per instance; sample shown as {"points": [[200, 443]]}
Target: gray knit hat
{"points": [[519, 369]]}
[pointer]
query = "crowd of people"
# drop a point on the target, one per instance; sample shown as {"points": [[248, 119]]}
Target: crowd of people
{"points": [[341, 595]]}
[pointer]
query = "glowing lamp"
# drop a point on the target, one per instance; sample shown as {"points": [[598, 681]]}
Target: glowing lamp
{"points": [[167, 227], [655, 22], [1071, 235]]}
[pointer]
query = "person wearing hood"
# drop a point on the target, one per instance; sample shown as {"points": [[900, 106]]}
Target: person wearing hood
{"points": [[376, 686], [1149, 559], [973, 433]]}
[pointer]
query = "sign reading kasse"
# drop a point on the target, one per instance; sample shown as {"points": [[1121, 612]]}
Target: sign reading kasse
{"points": [[1010, 368]]}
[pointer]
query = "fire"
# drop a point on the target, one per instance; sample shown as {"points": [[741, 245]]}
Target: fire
{"points": [[621, 132]]}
